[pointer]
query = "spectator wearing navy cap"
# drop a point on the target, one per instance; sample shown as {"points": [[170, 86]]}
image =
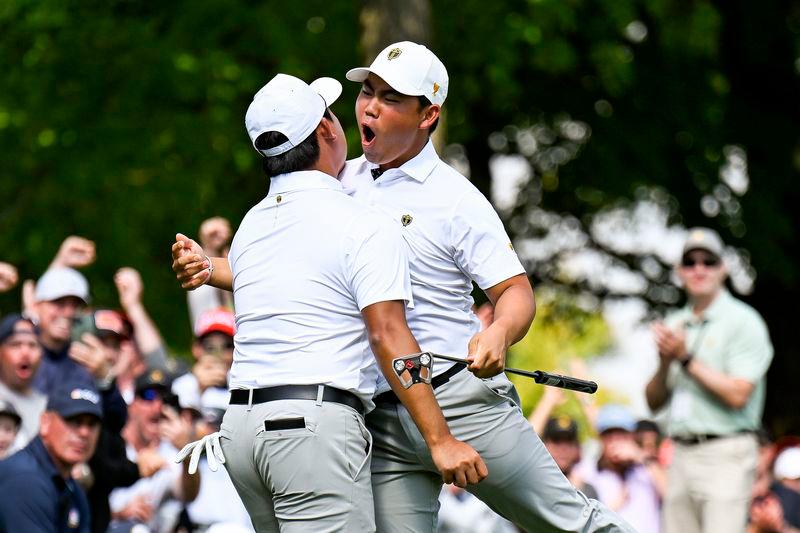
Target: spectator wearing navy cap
{"points": [[20, 356], [39, 492]]}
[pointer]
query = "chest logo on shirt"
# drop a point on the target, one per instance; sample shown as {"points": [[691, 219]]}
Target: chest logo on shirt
{"points": [[406, 220]]}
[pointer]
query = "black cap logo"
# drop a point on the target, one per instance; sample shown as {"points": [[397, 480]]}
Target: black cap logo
{"points": [[394, 53]]}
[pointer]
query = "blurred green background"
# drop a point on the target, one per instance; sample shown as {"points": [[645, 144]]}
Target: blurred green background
{"points": [[122, 121]]}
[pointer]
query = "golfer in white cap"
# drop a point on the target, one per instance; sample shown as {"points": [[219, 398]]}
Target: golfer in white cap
{"points": [[455, 238], [309, 267]]}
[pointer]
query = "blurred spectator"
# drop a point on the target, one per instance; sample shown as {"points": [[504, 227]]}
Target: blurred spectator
{"points": [[713, 358], [154, 433], [8, 276], [620, 477], [560, 434], [779, 510], [560, 437], [61, 293], [461, 512], [20, 356], [39, 492], [207, 383], [215, 238], [648, 437], [148, 341], [10, 422], [109, 467]]}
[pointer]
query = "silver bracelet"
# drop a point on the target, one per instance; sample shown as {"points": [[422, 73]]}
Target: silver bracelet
{"points": [[210, 271]]}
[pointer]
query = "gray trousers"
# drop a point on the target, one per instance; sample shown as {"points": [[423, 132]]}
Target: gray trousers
{"points": [[314, 478], [524, 484]]}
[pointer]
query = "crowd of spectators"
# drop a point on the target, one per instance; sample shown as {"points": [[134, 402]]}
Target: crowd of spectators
{"points": [[93, 410]]}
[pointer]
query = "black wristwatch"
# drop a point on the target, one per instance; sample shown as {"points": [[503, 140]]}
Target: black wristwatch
{"points": [[685, 362]]}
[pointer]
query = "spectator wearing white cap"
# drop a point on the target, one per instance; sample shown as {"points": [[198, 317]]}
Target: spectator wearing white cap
{"points": [[20, 356], [309, 268], [207, 383], [61, 293], [711, 379]]}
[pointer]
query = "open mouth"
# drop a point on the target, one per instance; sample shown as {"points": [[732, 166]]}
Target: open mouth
{"points": [[367, 134]]}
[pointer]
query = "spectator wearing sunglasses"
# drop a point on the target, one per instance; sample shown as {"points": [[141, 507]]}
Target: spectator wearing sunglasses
{"points": [[711, 379], [156, 430], [207, 384]]}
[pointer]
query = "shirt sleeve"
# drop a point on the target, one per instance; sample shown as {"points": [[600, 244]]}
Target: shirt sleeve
{"points": [[377, 263], [482, 249], [750, 351]]}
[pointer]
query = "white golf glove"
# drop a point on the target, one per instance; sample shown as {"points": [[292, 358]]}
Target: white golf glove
{"points": [[209, 443]]}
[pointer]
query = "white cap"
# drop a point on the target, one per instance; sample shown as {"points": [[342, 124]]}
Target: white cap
{"points": [[60, 282], [409, 68], [787, 465], [290, 106]]}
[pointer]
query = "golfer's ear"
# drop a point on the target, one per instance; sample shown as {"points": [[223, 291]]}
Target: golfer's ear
{"points": [[326, 129]]}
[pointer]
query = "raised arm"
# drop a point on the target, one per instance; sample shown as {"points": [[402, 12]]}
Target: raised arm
{"points": [[130, 287], [390, 337], [514, 309]]}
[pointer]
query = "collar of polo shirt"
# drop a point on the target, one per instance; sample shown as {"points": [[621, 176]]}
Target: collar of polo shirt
{"points": [[302, 181], [421, 165]]}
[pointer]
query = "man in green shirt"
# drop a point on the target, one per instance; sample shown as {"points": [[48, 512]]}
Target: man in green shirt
{"points": [[714, 354]]}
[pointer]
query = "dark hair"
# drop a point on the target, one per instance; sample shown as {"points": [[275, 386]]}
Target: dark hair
{"points": [[301, 157], [424, 102]]}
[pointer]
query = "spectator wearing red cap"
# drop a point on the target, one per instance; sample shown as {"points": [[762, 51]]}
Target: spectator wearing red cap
{"points": [[207, 383]]}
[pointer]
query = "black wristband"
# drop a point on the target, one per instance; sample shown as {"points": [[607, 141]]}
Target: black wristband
{"points": [[685, 362]]}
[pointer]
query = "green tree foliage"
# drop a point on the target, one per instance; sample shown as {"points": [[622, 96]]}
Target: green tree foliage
{"points": [[122, 122], [564, 332]]}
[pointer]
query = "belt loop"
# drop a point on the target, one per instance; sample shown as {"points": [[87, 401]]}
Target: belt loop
{"points": [[320, 392], [250, 399]]}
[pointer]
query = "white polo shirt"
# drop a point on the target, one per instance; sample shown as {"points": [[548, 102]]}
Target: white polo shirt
{"points": [[454, 237], [305, 261]]}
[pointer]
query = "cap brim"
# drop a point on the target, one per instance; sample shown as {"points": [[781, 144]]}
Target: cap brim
{"points": [[362, 73], [328, 88], [72, 412]]}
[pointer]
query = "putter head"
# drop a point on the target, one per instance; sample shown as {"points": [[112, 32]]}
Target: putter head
{"points": [[414, 368]]}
